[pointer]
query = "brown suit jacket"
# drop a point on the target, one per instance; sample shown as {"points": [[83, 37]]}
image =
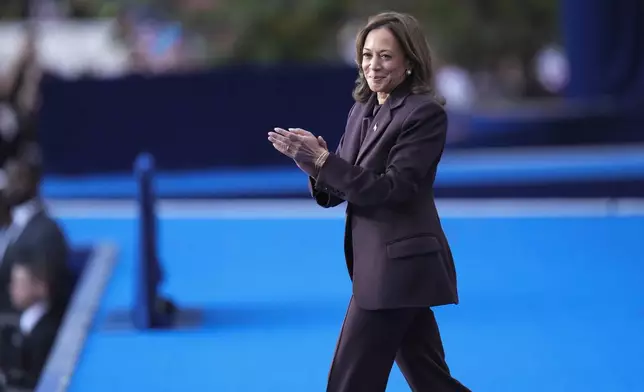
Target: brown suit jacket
{"points": [[395, 248]]}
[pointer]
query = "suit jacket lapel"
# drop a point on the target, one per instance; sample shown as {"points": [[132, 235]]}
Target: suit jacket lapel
{"points": [[351, 144], [382, 119], [378, 126]]}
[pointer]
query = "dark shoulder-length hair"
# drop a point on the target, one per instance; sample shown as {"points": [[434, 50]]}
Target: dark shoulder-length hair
{"points": [[415, 47]]}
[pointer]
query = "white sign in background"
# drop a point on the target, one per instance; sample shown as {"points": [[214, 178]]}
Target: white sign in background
{"points": [[68, 48]]}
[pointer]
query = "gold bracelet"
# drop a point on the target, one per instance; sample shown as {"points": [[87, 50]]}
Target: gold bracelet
{"points": [[321, 159]]}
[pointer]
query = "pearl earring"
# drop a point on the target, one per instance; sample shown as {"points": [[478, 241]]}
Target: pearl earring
{"points": [[408, 72]]}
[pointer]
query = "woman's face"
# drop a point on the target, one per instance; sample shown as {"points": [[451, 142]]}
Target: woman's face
{"points": [[383, 61]]}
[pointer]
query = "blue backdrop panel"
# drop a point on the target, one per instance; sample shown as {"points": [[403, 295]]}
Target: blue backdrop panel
{"points": [[605, 43], [213, 119], [220, 119]]}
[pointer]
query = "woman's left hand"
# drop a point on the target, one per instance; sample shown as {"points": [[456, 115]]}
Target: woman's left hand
{"points": [[298, 144]]}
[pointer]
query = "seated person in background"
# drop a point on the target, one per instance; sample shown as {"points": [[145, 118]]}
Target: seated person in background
{"points": [[5, 223], [5, 219], [32, 228], [19, 102], [33, 290]]}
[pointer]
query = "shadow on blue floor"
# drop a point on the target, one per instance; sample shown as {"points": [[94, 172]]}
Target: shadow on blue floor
{"points": [[291, 314]]}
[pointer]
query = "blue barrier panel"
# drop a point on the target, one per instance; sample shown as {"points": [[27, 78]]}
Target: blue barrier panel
{"points": [[79, 317], [604, 171]]}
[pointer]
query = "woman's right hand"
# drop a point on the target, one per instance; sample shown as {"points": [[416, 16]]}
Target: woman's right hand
{"points": [[323, 143]]}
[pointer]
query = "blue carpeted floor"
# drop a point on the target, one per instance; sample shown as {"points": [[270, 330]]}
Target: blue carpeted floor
{"points": [[548, 304]]}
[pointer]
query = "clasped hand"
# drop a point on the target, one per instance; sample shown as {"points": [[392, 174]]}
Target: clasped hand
{"points": [[300, 145]]}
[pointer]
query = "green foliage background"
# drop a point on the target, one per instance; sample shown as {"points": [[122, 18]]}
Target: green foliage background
{"points": [[473, 33]]}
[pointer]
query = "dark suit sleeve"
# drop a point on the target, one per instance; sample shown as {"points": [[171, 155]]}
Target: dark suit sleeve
{"points": [[49, 238], [323, 198], [55, 243], [59, 245], [419, 145], [39, 357]]}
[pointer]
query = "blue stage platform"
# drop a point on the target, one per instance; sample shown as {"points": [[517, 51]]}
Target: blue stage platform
{"points": [[545, 283], [550, 290]]}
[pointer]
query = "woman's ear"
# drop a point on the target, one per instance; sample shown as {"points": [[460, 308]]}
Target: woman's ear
{"points": [[408, 66]]}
